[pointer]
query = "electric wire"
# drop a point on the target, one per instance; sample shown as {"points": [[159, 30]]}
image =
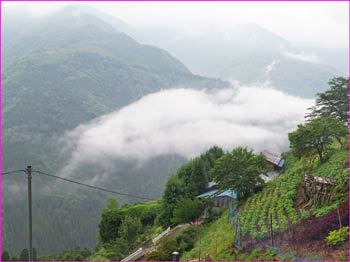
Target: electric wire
{"points": [[11, 172], [90, 186]]}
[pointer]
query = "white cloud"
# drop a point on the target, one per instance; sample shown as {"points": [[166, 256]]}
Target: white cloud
{"points": [[268, 69], [301, 56], [187, 122]]}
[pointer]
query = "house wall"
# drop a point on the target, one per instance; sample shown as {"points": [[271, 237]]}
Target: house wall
{"points": [[221, 201]]}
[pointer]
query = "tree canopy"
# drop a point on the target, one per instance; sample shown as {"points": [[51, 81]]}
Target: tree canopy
{"points": [[189, 181], [239, 171], [186, 210], [333, 102], [316, 136]]}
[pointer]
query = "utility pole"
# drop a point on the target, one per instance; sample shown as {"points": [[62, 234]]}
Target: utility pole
{"points": [[29, 173]]}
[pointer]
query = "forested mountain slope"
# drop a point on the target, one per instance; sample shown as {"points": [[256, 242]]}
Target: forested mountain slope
{"points": [[60, 71], [251, 54]]}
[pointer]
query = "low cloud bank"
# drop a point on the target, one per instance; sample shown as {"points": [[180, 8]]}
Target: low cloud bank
{"points": [[308, 58], [187, 122]]}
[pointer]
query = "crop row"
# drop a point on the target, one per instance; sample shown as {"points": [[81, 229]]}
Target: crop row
{"points": [[276, 200]]}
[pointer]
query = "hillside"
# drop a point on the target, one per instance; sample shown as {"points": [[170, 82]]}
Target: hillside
{"points": [[300, 226], [290, 221], [69, 68], [60, 71], [219, 206]]}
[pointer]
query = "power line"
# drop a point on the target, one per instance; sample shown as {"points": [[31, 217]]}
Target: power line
{"points": [[11, 172], [90, 186]]}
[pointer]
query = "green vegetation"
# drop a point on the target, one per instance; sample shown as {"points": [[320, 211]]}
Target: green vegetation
{"points": [[5, 256], [316, 137], [214, 239], [333, 102], [188, 182], [60, 72], [122, 229], [239, 170], [337, 236], [74, 254], [187, 210], [116, 221], [276, 200], [181, 243]]}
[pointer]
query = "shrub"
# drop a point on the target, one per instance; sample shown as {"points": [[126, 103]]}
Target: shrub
{"points": [[186, 239], [304, 214], [187, 210], [164, 251], [336, 237], [319, 212]]}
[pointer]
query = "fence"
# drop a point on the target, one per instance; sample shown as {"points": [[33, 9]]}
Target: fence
{"points": [[161, 235], [134, 255]]}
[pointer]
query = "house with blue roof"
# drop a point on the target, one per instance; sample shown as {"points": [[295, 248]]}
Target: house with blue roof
{"points": [[223, 197], [219, 197]]}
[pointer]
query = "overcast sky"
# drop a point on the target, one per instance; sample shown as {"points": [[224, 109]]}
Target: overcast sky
{"points": [[320, 24]]}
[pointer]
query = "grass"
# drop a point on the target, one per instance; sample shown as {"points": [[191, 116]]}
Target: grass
{"points": [[214, 239]]}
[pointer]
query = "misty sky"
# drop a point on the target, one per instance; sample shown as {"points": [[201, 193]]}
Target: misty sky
{"points": [[318, 24]]}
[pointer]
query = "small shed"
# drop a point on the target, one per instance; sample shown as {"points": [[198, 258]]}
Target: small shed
{"points": [[274, 159], [317, 190]]}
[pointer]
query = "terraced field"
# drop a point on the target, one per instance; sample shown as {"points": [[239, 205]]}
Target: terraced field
{"points": [[276, 200]]}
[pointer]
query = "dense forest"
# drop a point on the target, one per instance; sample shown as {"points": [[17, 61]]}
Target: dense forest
{"points": [[59, 72]]}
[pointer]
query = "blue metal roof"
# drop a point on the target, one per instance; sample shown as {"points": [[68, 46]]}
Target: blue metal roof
{"points": [[208, 194], [211, 184], [228, 193], [218, 193]]}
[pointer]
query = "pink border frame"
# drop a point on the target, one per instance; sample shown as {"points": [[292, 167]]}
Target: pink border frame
{"points": [[158, 1]]}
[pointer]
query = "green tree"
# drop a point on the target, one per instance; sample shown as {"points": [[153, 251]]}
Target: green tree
{"points": [[193, 176], [130, 229], [112, 203], [316, 136], [187, 210], [116, 249], [164, 251], [209, 158], [48, 256], [24, 255], [173, 189], [5, 256], [77, 253], [333, 102], [189, 181], [239, 171]]}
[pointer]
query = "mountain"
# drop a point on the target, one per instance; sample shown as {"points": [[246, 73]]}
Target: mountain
{"points": [[71, 68], [59, 71], [251, 54]]}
